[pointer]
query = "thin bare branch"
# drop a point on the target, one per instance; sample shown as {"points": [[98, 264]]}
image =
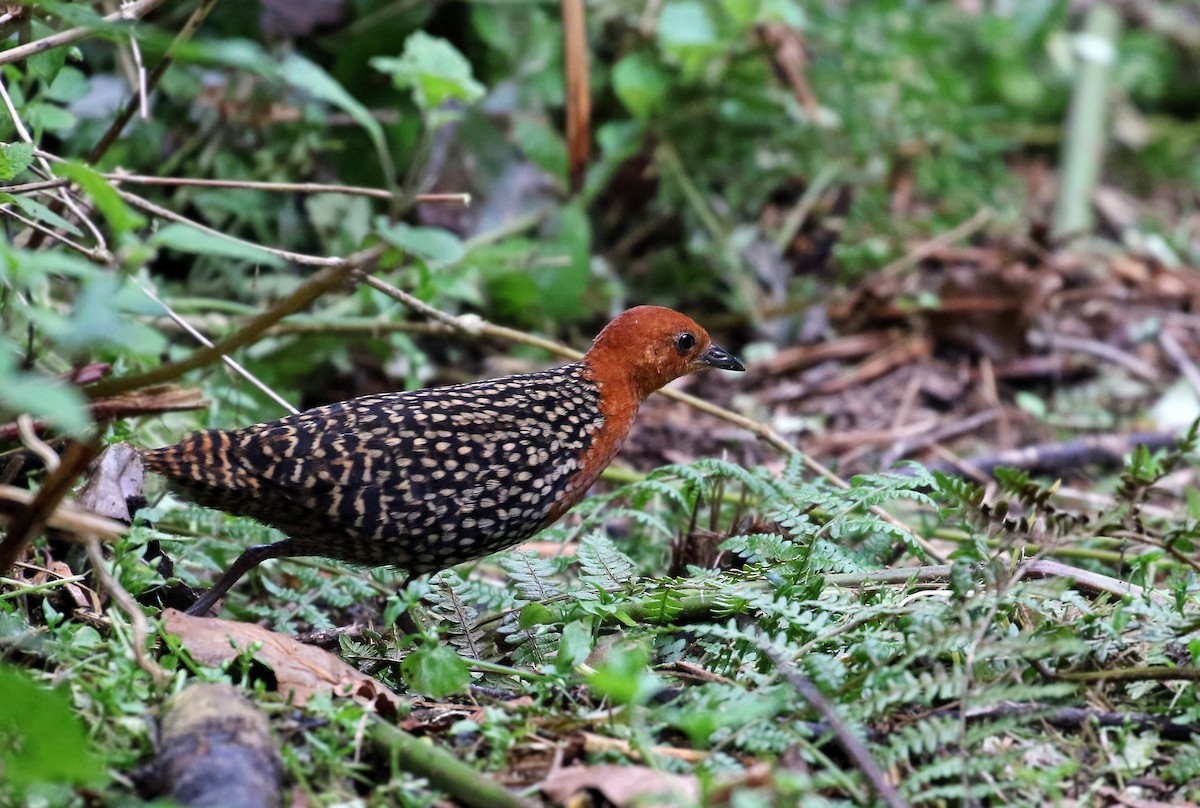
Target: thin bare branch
{"points": [[127, 12]]}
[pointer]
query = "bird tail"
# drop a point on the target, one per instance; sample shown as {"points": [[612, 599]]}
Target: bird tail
{"points": [[201, 458]]}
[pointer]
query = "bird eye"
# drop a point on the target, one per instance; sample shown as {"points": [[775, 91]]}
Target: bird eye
{"points": [[685, 342]]}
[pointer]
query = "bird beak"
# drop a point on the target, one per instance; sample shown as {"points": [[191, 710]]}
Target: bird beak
{"points": [[716, 357]]}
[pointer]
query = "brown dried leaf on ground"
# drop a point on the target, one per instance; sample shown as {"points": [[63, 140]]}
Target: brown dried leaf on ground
{"points": [[622, 785], [116, 476], [300, 670]]}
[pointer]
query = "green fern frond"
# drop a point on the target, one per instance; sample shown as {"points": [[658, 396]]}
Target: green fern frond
{"points": [[459, 619], [603, 564], [531, 647], [532, 575]]}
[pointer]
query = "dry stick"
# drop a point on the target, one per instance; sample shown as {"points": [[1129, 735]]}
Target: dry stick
{"points": [[578, 95], [118, 177], [1110, 353], [1088, 450], [98, 256], [232, 363], [65, 194], [137, 618], [1179, 356], [30, 520], [66, 516], [911, 259], [132, 11], [25, 429], [165, 213], [324, 281], [123, 117], [851, 744]]}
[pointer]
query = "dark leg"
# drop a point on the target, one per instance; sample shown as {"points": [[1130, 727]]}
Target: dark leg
{"points": [[247, 561]]}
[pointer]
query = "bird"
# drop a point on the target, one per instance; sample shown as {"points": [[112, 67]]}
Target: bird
{"points": [[422, 480]]}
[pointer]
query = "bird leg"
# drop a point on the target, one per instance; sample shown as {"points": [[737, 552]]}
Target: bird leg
{"points": [[247, 561]]}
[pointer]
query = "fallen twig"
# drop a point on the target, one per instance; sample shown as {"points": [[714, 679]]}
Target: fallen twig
{"points": [[1090, 450]]}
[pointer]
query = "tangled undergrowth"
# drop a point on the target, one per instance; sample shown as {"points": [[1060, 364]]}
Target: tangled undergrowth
{"points": [[997, 676]]}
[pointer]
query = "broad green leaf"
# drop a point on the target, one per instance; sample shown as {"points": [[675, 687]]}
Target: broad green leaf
{"points": [[687, 34], [240, 54], [573, 646], [641, 84], [543, 145], [36, 210], [685, 24], [14, 158], [45, 65], [433, 69], [107, 200], [624, 676], [190, 240], [68, 86], [100, 317], [430, 243], [43, 739], [42, 116], [563, 287], [308, 76], [435, 671], [536, 614]]}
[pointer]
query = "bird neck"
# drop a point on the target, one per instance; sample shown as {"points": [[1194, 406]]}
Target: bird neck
{"points": [[625, 380]]}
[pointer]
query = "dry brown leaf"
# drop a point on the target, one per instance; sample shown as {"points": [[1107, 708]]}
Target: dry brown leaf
{"points": [[301, 671], [622, 785], [116, 475]]}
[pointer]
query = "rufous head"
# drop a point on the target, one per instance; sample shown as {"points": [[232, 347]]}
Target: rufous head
{"points": [[650, 346]]}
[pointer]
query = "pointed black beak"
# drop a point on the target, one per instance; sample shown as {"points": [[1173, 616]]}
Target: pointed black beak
{"points": [[719, 358]]}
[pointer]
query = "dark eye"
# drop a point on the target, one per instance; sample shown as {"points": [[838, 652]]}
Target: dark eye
{"points": [[685, 342]]}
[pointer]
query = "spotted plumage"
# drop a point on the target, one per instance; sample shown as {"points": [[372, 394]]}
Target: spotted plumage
{"points": [[425, 479]]}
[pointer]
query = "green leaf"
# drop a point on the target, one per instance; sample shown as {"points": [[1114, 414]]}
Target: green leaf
{"points": [[190, 240], [43, 116], [435, 671], [14, 158], [536, 614], [641, 84], [68, 86], [43, 739], [1033, 404], [107, 200], [685, 24], [310, 77], [430, 243], [100, 317], [624, 676], [433, 69], [543, 145], [687, 34], [239, 54], [42, 213], [41, 397], [573, 646], [45, 65]]}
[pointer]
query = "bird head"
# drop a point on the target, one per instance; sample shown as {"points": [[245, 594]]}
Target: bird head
{"points": [[650, 346]]}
